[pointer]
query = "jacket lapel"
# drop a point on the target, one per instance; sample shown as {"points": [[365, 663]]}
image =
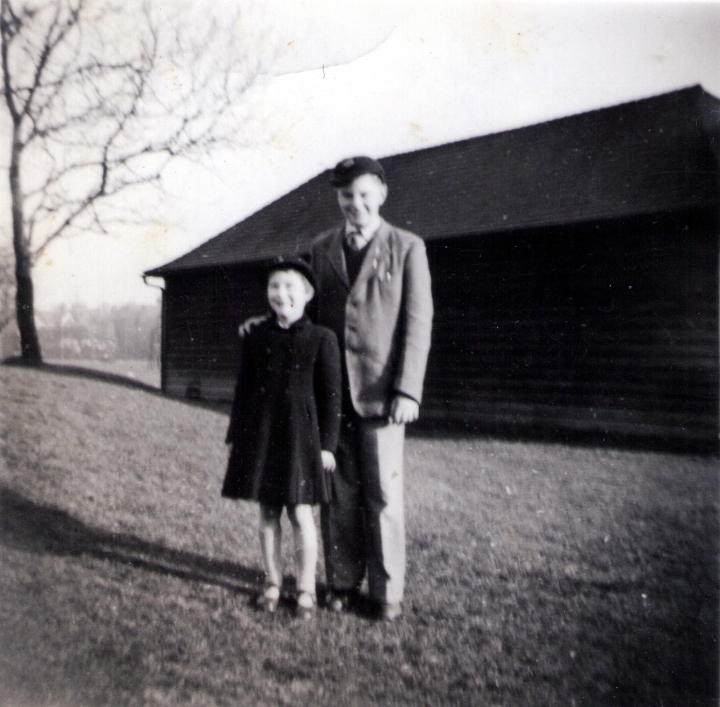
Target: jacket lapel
{"points": [[336, 256]]}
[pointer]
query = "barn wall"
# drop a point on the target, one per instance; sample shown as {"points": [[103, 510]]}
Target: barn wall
{"points": [[608, 327], [202, 311]]}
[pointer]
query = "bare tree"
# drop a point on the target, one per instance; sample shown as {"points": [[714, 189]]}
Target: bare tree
{"points": [[7, 287], [101, 95]]}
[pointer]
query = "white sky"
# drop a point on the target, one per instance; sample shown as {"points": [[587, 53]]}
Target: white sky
{"points": [[397, 76]]}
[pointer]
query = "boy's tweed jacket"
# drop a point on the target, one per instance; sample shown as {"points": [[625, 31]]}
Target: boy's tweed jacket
{"points": [[384, 322], [314, 397]]}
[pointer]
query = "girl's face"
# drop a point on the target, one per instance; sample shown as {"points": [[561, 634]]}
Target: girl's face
{"points": [[288, 293]]}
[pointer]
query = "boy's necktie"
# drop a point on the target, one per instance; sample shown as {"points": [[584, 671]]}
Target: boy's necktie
{"points": [[355, 240]]}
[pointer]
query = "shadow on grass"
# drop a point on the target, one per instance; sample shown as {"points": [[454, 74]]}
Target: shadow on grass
{"points": [[35, 528]]}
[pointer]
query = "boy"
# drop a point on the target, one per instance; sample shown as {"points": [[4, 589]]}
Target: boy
{"points": [[373, 287]]}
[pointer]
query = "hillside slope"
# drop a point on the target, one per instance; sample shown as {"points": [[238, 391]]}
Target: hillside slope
{"points": [[537, 574]]}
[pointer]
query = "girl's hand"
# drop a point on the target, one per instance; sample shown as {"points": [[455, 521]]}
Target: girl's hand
{"points": [[328, 460]]}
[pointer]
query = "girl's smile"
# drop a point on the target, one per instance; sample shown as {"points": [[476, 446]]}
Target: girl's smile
{"points": [[288, 292]]}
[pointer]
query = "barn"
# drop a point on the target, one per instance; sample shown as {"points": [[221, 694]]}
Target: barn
{"points": [[574, 265]]}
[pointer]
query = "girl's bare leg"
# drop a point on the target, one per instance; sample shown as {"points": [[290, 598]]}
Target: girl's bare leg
{"points": [[270, 536], [306, 546]]}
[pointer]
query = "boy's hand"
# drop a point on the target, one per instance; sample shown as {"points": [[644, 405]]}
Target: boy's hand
{"points": [[248, 324], [328, 460], [404, 410]]}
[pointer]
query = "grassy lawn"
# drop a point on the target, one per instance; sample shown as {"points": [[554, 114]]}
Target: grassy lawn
{"points": [[538, 574]]}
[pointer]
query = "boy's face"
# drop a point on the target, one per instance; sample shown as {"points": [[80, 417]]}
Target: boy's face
{"points": [[360, 201], [288, 292]]}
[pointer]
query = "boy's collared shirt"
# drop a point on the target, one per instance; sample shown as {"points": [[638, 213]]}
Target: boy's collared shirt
{"points": [[362, 236]]}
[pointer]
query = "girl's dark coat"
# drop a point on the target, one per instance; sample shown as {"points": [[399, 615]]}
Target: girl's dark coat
{"points": [[314, 418]]}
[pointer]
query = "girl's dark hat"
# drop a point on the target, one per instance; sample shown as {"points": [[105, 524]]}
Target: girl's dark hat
{"points": [[288, 263], [347, 171]]}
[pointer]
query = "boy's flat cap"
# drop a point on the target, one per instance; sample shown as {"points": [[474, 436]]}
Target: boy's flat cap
{"points": [[349, 170], [288, 263]]}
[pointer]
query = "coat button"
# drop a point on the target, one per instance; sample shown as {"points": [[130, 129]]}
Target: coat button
{"points": [[262, 389]]}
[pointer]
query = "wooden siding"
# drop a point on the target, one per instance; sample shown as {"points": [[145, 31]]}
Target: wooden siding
{"points": [[575, 275], [202, 311], [609, 327]]}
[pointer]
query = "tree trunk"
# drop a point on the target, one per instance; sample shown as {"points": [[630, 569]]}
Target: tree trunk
{"points": [[24, 302]]}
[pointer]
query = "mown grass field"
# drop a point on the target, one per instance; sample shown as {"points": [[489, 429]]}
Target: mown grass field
{"points": [[538, 574]]}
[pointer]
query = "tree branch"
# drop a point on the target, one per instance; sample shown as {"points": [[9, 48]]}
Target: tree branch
{"points": [[8, 29], [99, 119], [49, 45]]}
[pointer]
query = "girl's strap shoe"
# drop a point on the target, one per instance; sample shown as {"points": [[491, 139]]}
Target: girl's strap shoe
{"points": [[270, 598], [306, 605]]}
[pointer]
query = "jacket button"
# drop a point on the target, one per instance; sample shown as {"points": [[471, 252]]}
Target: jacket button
{"points": [[262, 389]]}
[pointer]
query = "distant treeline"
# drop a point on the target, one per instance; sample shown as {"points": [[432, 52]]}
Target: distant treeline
{"points": [[129, 331]]}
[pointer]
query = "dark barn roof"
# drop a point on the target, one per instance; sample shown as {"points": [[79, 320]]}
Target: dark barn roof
{"points": [[635, 158]]}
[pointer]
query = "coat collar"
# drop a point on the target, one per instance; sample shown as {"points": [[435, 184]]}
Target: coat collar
{"points": [[299, 324], [375, 247]]}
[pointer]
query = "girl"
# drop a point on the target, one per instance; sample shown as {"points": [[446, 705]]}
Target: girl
{"points": [[284, 426]]}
